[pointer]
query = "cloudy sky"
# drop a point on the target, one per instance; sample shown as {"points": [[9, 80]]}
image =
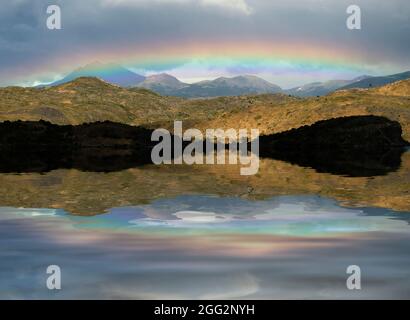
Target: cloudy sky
{"points": [[288, 42]]}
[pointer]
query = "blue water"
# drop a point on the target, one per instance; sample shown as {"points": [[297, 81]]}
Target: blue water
{"points": [[207, 247]]}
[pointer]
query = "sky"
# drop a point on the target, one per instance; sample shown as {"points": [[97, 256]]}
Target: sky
{"points": [[287, 42]]}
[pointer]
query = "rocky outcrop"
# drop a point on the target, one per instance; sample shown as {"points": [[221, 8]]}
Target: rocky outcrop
{"points": [[357, 145], [31, 146]]}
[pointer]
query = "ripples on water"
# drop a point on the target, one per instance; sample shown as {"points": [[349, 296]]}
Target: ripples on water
{"points": [[207, 247], [188, 232]]}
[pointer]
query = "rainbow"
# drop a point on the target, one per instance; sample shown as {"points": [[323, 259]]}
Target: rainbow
{"points": [[237, 56], [219, 53]]}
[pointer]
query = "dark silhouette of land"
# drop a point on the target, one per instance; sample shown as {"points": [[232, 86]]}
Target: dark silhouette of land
{"points": [[353, 146]]}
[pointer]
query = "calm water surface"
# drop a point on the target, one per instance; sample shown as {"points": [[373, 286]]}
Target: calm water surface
{"points": [[205, 233], [207, 247]]}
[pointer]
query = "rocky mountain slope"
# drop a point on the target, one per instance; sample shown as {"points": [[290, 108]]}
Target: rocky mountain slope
{"points": [[372, 82], [163, 84], [223, 86], [167, 85], [391, 101], [321, 88], [111, 73], [89, 99]]}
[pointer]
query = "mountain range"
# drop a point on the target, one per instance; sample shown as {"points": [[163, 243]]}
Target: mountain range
{"points": [[111, 73], [87, 100], [163, 84], [369, 82], [168, 85], [322, 88], [222, 86]]}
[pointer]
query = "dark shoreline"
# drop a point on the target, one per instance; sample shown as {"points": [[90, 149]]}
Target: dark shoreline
{"points": [[353, 146]]}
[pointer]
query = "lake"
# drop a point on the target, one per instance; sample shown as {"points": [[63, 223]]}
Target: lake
{"points": [[205, 232]]}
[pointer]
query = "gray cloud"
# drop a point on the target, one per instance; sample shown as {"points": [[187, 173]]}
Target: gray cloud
{"points": [[29, 51]]}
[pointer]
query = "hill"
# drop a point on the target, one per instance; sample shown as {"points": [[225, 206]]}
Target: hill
{"points": [[89, 99], [391, 101], [373, 82], [163, 84], [110, 73], [399, 88], [167, 85], [223, 86], [321, 88]]}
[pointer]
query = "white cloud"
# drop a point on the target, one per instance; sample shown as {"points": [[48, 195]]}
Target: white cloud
{"points": [[238, 5], [232, 5]]}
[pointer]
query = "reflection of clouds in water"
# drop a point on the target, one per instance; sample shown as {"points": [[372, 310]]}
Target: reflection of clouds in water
{"points": [[286, 215], [237, 208], [232, 287], [130, 266], [192, 286], [244, 249], [184, 219], [25, 212], [200, 216]]}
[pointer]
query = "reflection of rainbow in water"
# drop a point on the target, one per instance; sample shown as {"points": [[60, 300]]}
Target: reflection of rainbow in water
{"points": [[293, 216], [192, 247]]}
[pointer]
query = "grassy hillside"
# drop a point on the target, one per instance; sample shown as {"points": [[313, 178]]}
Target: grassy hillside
{"points": [[391, 101], [90, 99]]}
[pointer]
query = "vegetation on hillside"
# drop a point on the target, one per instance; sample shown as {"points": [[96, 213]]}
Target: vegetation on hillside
{"points": [[87, 100]]}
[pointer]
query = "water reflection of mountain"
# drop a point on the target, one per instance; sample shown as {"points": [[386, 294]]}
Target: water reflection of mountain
{"points": [[365, 168], [344, 162], [89, 193], [390, 214], [352, 146]]}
